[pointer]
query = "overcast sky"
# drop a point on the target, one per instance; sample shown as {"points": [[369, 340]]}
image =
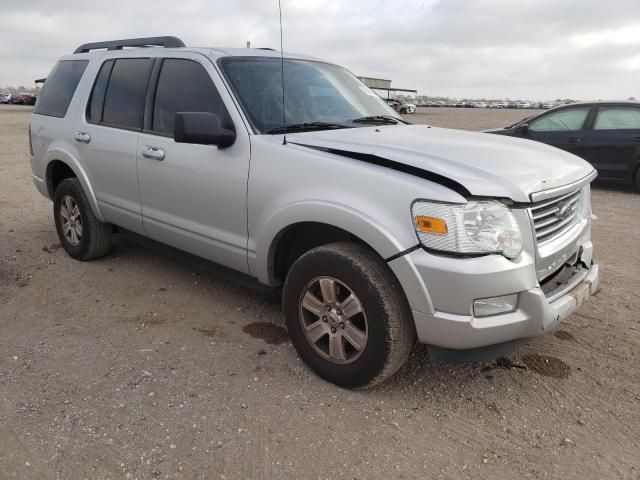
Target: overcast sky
{"points": [[534, 49]]}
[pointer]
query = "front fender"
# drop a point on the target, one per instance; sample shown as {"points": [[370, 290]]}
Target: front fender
{"points": [[59, 152], [351, 220]]}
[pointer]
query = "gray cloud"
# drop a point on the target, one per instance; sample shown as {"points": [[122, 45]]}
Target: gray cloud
{"points": [[540, 49]]}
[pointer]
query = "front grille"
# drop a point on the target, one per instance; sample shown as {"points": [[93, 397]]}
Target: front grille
{"points": [[551, 218]]}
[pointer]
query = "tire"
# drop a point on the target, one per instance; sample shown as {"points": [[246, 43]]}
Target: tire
{"points": [[93, 239], [384, 316]]}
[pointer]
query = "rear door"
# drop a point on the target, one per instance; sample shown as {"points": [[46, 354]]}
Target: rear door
{"points": [[108, 138], [612, 145], [194, 197], [562, 129]]}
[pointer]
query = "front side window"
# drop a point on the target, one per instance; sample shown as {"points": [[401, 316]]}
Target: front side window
{"points": [[314, 92], [618, 118], [58, 89], [564, 120], [126, 93], [184, 86]]}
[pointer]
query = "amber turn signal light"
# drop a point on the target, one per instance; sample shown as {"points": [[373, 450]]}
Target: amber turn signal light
{"points": [[431, 225]]}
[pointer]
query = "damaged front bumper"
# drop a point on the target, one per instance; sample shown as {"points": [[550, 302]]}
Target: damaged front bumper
{"points": [[441, 292]]}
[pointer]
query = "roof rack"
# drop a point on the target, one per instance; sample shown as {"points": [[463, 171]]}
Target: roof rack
{"points": [[166, 42]]}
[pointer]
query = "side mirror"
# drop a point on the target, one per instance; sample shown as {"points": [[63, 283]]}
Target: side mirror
{"points": [[522, 130], [202, 128]]}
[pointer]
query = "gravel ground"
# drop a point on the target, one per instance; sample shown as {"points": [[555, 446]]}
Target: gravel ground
{"points": [[138, 366]]}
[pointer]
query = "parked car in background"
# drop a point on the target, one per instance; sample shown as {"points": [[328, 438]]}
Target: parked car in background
{"points": [[605, 134], [401, 107], [480, 104], [26, 99], [523, 105], [5, 98], [20, 99]]}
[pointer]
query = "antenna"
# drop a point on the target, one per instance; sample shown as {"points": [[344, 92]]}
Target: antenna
{"points": [[284, 115]]}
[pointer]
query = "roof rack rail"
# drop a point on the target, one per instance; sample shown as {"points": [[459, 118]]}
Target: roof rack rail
{"points": [[166, 42]]}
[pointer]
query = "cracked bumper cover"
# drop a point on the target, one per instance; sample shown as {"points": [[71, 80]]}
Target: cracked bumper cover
{"points": [[441, 293]]}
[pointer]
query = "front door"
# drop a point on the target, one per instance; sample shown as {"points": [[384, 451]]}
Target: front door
{"points": [[562, 129], [193, 196]]}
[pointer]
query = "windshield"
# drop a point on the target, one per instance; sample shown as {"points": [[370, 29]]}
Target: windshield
{"points": [[315, 92]]}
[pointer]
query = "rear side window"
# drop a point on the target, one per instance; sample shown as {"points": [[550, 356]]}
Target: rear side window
{"points": [[184, 86], [617, 118], [59, 88], [96, 100], [562, 121], [126, 92]]}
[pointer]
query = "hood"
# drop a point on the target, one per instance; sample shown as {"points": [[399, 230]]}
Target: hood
{"points": [[485, 165]]}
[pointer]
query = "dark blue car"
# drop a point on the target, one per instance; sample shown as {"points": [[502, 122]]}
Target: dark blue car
{"points": [[606, 134]]}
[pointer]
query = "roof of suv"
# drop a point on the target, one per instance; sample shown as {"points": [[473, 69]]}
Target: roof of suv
{"points": [[173, 44]]}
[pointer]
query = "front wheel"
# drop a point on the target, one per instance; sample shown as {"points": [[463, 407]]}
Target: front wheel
{"points": [[347, 315]]}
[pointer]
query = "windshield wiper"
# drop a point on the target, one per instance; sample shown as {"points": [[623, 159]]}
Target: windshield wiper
{"points": [[386, 119], [301, 127]]}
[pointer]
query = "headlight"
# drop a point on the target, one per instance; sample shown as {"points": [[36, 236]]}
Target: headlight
{"points": [[472, 228]]}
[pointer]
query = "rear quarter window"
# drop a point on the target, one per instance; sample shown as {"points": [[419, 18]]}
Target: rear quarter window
{"points": [[59, 88]]}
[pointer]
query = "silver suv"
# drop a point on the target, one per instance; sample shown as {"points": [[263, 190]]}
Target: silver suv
{"points": [[378, 232]]}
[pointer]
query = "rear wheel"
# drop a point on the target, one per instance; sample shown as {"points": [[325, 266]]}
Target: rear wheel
{"points": [[82, 235], [347, 315]]}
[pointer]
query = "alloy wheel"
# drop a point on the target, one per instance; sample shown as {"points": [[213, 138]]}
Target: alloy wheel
{"points": [[71, 220], [333, 320]]}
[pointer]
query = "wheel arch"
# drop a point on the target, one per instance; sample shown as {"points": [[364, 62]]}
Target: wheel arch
{"points": [[298, 228], [60, 165]]}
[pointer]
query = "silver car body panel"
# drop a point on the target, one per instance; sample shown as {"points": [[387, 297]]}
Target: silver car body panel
{"points": [[232, 205]]}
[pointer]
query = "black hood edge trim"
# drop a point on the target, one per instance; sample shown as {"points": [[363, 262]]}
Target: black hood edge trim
{"points": [[397, 166]]}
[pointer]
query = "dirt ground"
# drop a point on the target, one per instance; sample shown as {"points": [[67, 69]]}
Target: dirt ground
{"points": [[138, 366]]}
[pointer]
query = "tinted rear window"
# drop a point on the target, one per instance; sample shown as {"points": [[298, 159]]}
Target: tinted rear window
{"points": [[126, 93], [59, 88], [184, 86]]}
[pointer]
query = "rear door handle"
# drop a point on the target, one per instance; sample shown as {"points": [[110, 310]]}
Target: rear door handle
{"points": [[155, 153], [637, 139], [82, 137], [575, 139]]}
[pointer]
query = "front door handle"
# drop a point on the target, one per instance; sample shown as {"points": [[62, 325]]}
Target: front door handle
{"points": [[154, 153], [82, 137], [575, 139]]}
